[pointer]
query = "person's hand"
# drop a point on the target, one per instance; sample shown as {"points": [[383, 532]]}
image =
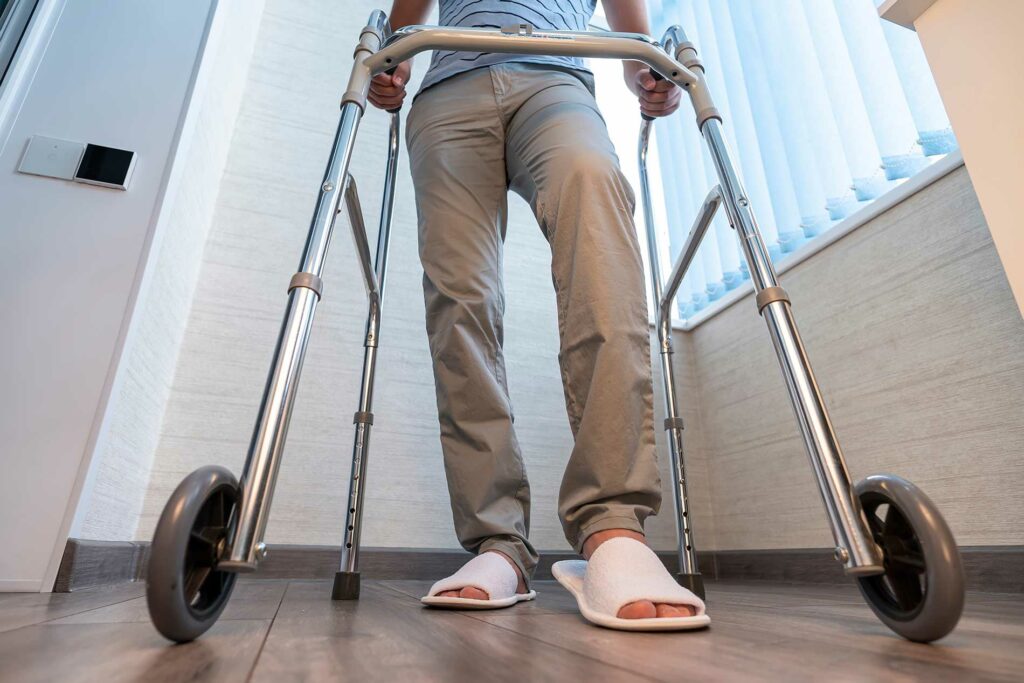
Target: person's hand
{"points": [[657, 97], [387, 91]]}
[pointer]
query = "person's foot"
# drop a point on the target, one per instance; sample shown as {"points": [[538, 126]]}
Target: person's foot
{"points": [[643, 609], [472, 593]]}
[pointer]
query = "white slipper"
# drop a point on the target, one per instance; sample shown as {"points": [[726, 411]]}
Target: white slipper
{"points": [[488, 572], [621, 571]]}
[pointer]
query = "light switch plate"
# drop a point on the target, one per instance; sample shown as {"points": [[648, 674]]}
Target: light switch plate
{"points": [[51, 157], [106, 166]]}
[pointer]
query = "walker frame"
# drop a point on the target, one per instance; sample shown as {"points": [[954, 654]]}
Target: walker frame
{"points": [[235, 515]]}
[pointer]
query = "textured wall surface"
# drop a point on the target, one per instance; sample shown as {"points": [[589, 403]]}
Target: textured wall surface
{"points": [[919, 348], [275, 163]]}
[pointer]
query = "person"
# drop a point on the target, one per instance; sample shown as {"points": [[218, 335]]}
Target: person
{"points": [[480, 125]]}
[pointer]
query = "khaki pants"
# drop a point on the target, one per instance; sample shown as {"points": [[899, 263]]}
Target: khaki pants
{"points": [[535, 130]]}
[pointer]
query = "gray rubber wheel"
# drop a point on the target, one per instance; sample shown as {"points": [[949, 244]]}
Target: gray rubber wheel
{"points": [[184, 591], [921, 594]]}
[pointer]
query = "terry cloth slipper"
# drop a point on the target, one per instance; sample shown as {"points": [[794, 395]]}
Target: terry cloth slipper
{"points": [[621, 571], [488, 572]]}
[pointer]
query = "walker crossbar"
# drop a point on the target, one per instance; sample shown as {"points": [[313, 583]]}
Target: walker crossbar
{"points": [[876, 549], [701, 224], [523, 39], [362, 242]]}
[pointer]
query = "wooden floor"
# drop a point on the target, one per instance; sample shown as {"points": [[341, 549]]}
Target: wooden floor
{"points": [[285, 631]]}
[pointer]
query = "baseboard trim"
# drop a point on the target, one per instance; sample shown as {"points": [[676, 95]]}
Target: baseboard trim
{"points": [[20, 585], [87, 564], [995, 569], [788, 565]]}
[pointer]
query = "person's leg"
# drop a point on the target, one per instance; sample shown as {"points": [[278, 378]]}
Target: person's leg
{"points": [[456, 149], [561, 160]]}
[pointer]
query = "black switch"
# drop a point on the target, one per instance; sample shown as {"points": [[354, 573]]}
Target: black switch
{"points": [[106, 166]]}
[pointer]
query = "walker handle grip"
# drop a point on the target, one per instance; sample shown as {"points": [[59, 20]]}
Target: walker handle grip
{"points": [[658, 77], [391, 72]]}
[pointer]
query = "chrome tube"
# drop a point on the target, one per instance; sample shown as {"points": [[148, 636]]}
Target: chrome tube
{"points": [[737, 207], [264, 457], [379, 21], [364, 416], [331, 187], [357, 476], [362, 242], [854, 546], [674, 433], [673, 425], [700, 227], [673, 37], [645, 199], [386, 211]]}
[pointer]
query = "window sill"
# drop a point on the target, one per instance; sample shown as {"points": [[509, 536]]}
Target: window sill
{"points": [[904, 12], [926, 177]]}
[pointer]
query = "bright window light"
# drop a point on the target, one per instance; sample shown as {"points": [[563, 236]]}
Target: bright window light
{"points": [[826, 108]]}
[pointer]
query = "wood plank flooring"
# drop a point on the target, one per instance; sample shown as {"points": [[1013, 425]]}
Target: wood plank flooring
{"points": [[292, 631]]}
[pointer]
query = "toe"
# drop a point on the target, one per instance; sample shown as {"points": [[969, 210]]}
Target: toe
{"points": [[643, 609], [666, 611], [471, 593], [448, 594]]}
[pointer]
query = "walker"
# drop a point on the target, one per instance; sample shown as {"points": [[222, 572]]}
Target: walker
{"points": [[889, 536]]}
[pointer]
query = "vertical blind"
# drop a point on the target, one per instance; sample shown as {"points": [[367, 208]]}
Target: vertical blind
{"points": [[826, 107]]}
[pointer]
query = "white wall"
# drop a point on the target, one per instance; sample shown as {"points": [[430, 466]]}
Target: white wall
{"points": [[70, 255], [976, 54], [116, 483], [276, 160]]}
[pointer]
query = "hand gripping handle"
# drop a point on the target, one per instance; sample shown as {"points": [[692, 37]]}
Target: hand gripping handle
{"points": [[658, 77], [391, 72]]}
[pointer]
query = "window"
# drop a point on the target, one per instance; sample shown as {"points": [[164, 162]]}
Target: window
{"points": [[14, 17], [826, 107]]}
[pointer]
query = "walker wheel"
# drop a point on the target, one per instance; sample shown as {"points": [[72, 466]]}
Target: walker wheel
{"points": [[184, 591], [920, 595]]}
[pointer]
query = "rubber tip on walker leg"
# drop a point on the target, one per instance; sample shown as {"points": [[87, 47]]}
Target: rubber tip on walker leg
{"points": [[346, 586], [693, 582]]}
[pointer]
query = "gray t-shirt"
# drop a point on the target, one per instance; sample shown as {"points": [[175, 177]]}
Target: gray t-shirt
{"points": [[546, 15]]}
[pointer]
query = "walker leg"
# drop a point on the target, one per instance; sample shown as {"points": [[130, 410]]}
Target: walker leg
{"points": [[244, 542], [689, 575], [855, 548], [264, 458], [346, 580]]}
